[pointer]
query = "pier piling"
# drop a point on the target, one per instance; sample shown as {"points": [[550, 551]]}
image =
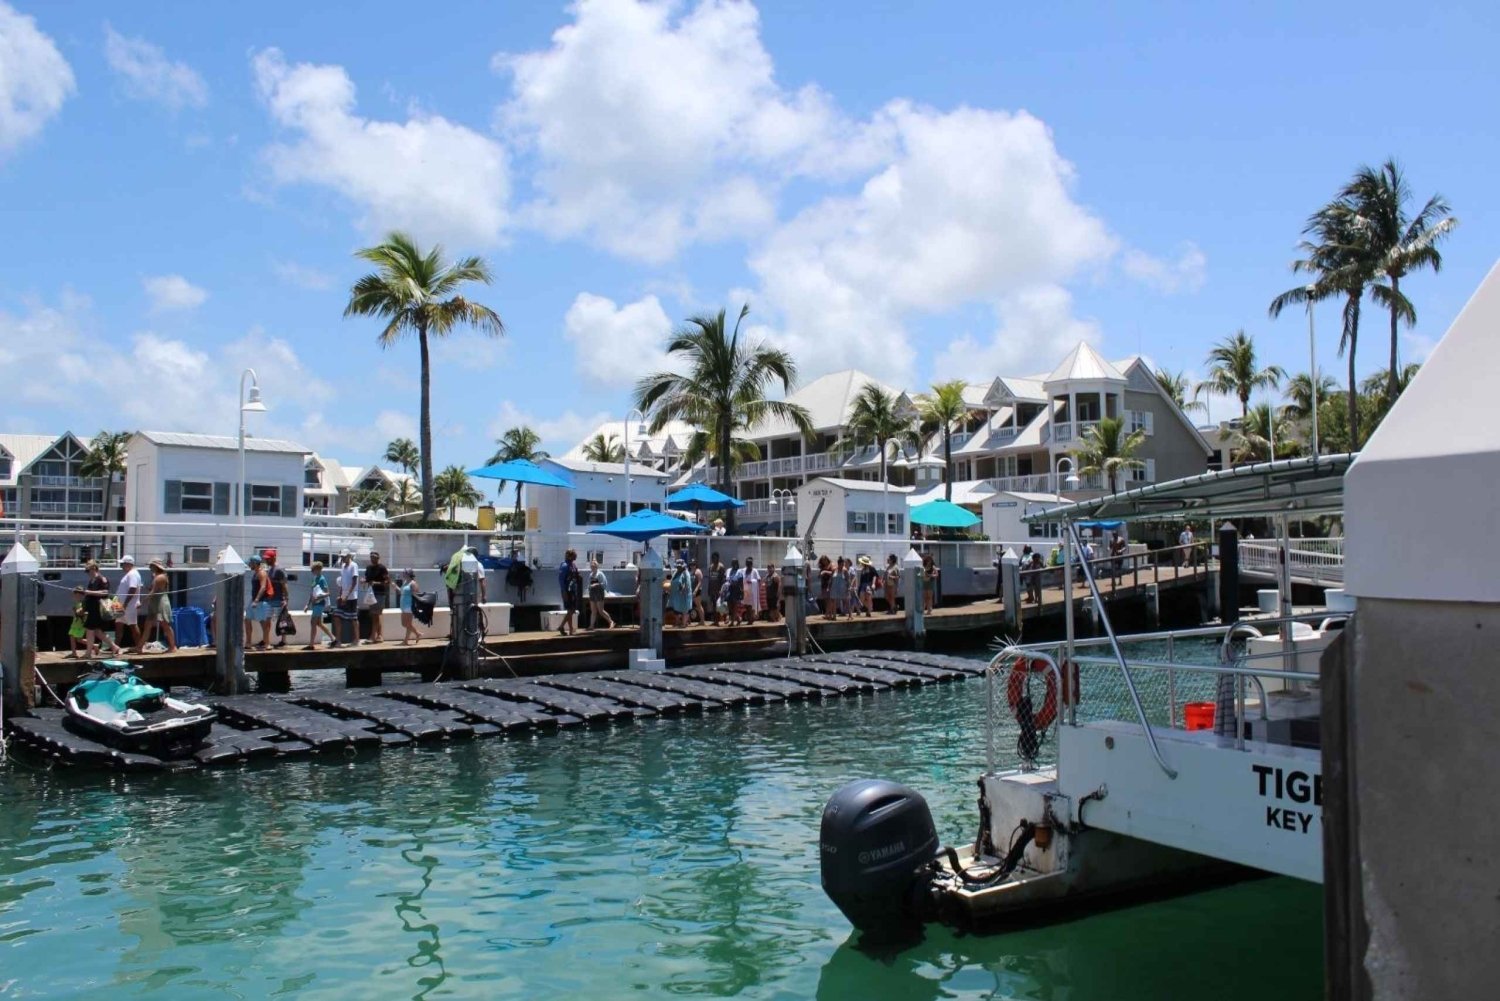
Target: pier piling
{"points": [[1010, 591], [911, 590], [1153, 606], [465, 630], [229, 624], [796, 605], [651, 601], [18, 587], [1229, 573]]}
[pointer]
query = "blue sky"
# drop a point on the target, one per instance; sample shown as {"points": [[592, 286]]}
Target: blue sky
{"points": [[920, 190]]}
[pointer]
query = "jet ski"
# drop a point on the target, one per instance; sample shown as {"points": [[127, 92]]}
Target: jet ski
{"points": [[113, 706]]}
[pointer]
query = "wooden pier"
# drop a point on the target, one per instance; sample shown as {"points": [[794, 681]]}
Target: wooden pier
{"points": [[324, 721]]}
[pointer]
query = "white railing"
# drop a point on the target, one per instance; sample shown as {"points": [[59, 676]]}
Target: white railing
{"points": [[1035, 483], [959, 439], [1005, 434], [67, 507], [754, 470], [85, 482], [1315, 561]]}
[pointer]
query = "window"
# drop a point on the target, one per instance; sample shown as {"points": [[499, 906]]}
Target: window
{"points": [[1140, 420], [895, 524], [589, 512], [52, 467], [858, 522], [5, 462], [312, 478], [1144, 474], [265, 500], [1048, 530], [195, 497]]}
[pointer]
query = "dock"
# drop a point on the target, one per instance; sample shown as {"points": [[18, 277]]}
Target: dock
{"points": [[332, 721]]}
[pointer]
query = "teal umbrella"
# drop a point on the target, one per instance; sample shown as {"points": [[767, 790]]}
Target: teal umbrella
{"points": [[646, 524], [943, 514], [521, 471]]}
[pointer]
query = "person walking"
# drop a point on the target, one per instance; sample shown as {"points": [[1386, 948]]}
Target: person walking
{"points": [[825, 586], [277, 593], [263, 603], [1034, 579], [346, 607], [717, 576], [128, 594], [930, 573], [680, 594], [839, 588], [159, 609], [736, 587], [753, 592], [1184, 553], [598, 586], [95, 594], [773, 594], [892, 582], [867, 575], [317, 608], [378, 576], [410, 633], [570, 583], [76, 629], [699, 612]]}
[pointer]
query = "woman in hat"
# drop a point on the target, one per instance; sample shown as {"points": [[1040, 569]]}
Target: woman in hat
{"points": [[867, 577], [159, 609]]}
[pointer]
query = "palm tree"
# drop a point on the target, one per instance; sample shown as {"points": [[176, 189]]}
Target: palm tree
{"points": [[1339, 266], [453, 488], [1107, 449], [941, 409], [1396, 244], [1175, 385], [369, 499], [517, 443], [1300, 396], [405, 497], [106, 458], [723, 393], [876, 415], [1262, 435], [602, 449], [415, 293], [1232, 371], [1379, 383], [403, 452]]}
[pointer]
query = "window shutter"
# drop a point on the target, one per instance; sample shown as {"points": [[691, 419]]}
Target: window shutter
{"points": [[288, 501], [1150, 424], [580, 515], [245, 498], [172, 504], [611, 510], [221, 498], [1150, 470], [849, 522]]}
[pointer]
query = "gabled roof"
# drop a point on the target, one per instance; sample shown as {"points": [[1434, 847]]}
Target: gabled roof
{"points": [[617, 430], [1083, 363], [964, 492], [180, 439], [24, 449], [828, 400], [336, 476], [391, 477], [857, 485]]}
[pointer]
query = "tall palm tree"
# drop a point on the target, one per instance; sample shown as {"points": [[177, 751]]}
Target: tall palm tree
{"points": [[1175, 385], [1107, 449], [604, 449], [1299, 395], [723, 393], [416, 293], [405, 497], [1263, 434], [940, 409], [403, 452], [106, 458], [1339, 266], [877, 416], [1232, 370], [519, 442], [1379, 383], [1396, 243], [454, 488]]}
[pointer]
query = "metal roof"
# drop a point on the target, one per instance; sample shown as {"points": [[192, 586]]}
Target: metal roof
{"points": [[180, 439], [1312, 485]]}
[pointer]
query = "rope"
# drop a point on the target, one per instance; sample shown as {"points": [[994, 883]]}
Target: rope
{"points": [[55, 585]]}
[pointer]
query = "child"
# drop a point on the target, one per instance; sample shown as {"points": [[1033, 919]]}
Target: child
{"points": [[317, 607], [76, 631], [408, 588]]}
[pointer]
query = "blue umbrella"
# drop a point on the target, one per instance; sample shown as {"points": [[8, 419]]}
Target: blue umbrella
{"points": [[639, 526], [700, 497], [942, 514], [521, 471]]}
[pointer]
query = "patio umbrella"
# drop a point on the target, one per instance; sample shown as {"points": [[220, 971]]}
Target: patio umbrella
{"points": [[942, 514], [521, 471], [701, 497], [645, 524]]}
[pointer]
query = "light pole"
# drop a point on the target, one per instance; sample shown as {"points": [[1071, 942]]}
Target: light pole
{"points": [[642, 433], [1312, 351], [782, 498], [248, 405], [1072, 481]]}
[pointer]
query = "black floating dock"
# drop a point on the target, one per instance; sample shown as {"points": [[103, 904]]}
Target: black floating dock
{"points": [[306, 723]]}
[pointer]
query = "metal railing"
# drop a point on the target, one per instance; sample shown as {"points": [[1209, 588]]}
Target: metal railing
{"points": [[1315, 561]]}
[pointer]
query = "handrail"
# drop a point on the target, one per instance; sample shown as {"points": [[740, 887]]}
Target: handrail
{"points": [[1109, 630]]}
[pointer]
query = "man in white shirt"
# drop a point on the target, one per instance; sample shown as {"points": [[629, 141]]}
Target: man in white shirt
{"points": [[1185, 539], [128, 594], [347, 599]]}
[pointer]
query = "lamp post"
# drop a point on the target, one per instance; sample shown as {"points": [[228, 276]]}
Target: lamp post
{"points": [[782, 498], [248, 405], [1312, 352], [1072, 481], [642, 433]]}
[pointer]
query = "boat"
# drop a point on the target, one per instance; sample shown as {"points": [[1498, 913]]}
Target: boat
{"points": [[112, 705], [1118, 764]]}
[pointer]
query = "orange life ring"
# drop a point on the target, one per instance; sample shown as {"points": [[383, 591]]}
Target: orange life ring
{"points": [[1015, 689]]}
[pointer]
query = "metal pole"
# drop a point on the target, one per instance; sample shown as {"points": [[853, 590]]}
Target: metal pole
{"points": [[627, 463], [1312, 350], [1068, 603]]}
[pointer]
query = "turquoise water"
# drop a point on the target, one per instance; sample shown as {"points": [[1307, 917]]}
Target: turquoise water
{"points": [[665, 857]]}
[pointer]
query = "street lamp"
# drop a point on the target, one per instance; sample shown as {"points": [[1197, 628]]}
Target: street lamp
{"points": [[781, 499], [1072, 481], [1312, 351], [248, 405], [641, 430]]}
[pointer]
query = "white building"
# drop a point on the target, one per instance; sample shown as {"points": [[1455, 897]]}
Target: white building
{"points": [[561, 517], [1004, 509], [326, 485], [853, 510], [180, 491], [43, 488]]}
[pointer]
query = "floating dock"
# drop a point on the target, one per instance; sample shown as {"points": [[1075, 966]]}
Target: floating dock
{"points": [[318, 722]]}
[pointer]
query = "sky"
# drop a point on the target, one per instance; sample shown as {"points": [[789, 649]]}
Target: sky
{"points": [[922, 191]]}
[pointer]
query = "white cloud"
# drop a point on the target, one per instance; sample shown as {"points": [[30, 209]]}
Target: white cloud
{"points": [[150, 76], [1417, 347], [470, 350], [35, 79], [170, 292], [616, 345], [302, 277], [558, 433], [1036, 329], [432, 177], [1186, 274], [654, 128], [974, 206]]}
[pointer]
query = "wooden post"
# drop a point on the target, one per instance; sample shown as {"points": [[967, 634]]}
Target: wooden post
{"points": [[796, 602], [18, 586], [229, 624], [1228, 573], [911, 578], [1010, 591], [652, 574], [1153, 606], [464, 632]]}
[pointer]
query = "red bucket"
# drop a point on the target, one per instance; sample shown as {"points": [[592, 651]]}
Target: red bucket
{"points": [[1198, 716]]}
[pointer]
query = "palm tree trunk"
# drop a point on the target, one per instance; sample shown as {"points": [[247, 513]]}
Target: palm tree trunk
{"points": [[518, 520], [947, 463], [724, 437], [1353, 388], [429, 502], [1391, 376]]}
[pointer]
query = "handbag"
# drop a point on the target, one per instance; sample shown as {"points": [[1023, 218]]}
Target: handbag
{"points": [[284, 624], [366, 599], [109, 609], [319, 594]]}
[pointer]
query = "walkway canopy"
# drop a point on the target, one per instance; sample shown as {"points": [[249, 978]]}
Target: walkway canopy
{"points": [[1303, 487]]}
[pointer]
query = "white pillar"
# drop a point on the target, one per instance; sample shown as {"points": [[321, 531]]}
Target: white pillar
{"points": [[229, 623]]}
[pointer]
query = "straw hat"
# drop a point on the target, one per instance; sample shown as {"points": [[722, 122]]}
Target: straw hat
{"points": [[864, 561]]}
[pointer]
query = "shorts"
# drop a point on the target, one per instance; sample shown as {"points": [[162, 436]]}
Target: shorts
{"points": [[263, 611], [161, 608], [129, 614]]}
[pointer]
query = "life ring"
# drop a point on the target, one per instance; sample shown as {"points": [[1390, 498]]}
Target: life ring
{"points": [[1015, 690]]}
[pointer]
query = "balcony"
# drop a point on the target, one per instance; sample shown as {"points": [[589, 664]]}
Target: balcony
{"points": [[95, 508], [83, 482], [1072, 430]]}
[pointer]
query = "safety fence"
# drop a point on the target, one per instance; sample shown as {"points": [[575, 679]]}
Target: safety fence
{"points": [[1310, 561]]}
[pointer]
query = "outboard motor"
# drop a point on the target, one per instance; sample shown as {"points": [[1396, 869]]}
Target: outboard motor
{"points": [[877, 840]]}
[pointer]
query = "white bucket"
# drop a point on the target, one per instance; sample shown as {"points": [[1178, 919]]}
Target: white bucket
{"points": [[1335, 600], [1268, 600]]}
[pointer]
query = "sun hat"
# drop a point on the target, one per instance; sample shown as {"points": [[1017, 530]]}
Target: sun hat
{"points": [[864, 561], [156, 565]]}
